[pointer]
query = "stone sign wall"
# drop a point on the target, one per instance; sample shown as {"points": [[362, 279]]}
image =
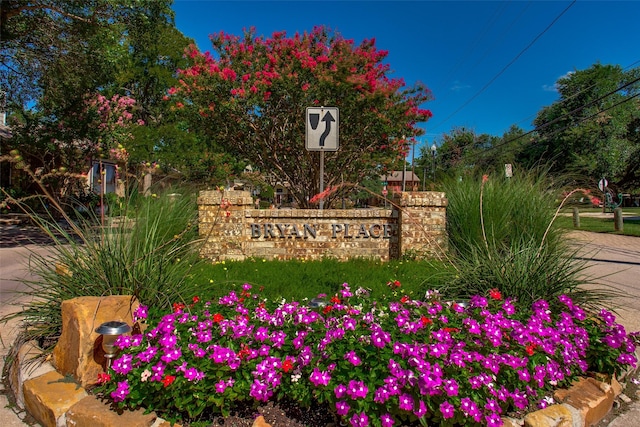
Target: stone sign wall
{"points": [[233, 230]]}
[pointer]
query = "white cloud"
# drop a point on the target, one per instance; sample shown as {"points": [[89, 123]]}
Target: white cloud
{"points": [[458, 86], [554, 87]]}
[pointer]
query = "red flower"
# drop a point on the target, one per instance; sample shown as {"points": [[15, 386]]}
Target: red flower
{"points": [[218, 318], [335, 300], [404, 299], [530, 349], [327, 309], [321, 196], [394, 284], [244, 352], [177, 306], [495, 294], [287, 365], [103, 377], [426, 321], [196, 299], [167, 380]]}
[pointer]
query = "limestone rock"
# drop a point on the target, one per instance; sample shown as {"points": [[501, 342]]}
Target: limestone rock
{"points": [[91, 412], [49, 396], [593, 398], [25, 367], [512, 422], [260, 422], [78, 351], [551, 416]]}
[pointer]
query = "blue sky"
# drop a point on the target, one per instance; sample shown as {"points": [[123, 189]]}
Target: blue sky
{"points": [[489, 64]]}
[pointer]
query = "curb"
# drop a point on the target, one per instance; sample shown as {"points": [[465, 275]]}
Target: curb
{"points": [[54, 400]]}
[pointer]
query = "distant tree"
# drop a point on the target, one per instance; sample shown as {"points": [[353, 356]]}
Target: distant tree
{"points": [[53, 52], [463, 152], [155, 53], [458, 152], [593, 128], [250, 96], [60, 57]]}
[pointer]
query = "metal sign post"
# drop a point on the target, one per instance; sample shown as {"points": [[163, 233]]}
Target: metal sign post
{"points": [[602, 185], [321, 178], [322, 134]]}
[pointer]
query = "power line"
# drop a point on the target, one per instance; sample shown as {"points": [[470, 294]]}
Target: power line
{"points": [[486, 86], [472, 47], [578, 93], [498, 41], [567, 115]]}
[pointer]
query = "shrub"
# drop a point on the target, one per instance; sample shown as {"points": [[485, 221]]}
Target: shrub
{"points": [[502, 235], [374, 362]]}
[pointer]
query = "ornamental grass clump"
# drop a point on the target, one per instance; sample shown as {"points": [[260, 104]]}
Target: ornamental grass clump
{"points": [[502, 235], [387, 362], [150, 254]]}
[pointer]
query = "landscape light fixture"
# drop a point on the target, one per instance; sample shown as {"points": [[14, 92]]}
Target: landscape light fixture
{"points": [[110, 331]]}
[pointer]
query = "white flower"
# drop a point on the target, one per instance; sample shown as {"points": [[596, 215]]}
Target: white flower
{"points": [[145, 375]]}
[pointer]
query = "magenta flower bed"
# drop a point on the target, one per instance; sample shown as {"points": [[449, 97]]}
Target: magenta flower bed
{"points": [[386, 362]]}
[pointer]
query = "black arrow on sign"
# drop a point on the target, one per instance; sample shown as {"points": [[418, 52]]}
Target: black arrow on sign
{"points": [[328, 118]]}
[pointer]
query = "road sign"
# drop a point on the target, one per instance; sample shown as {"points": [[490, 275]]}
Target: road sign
{"points": [[322, 128], [508, 170], [603, 184], [384, 192]]}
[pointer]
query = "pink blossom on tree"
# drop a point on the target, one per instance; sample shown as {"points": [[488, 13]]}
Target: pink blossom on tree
{"points": [[250, 98]]}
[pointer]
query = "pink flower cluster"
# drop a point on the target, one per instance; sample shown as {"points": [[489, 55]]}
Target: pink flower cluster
{"points": [[253, 65], [113, 111], [397, 360]]}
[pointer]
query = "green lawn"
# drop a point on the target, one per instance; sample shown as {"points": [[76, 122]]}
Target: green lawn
{"points": [[631, 221], [306, 279]]}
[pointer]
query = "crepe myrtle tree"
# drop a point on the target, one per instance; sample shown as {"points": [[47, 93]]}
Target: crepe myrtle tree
{"points": [[249, 96]]}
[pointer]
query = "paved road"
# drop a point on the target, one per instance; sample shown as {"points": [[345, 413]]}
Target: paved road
{"points": [[614, 263], [615, 260], [17, 245]]}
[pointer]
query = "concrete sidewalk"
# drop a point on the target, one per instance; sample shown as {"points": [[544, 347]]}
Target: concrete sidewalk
{"points": [[614, 263], [13, 270]]}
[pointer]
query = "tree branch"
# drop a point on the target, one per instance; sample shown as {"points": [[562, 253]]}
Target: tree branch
{"points": [[21, 8]]}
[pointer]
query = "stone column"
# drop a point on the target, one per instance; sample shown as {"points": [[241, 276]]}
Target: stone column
{"points": [[222, 223], [422, 223]]}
